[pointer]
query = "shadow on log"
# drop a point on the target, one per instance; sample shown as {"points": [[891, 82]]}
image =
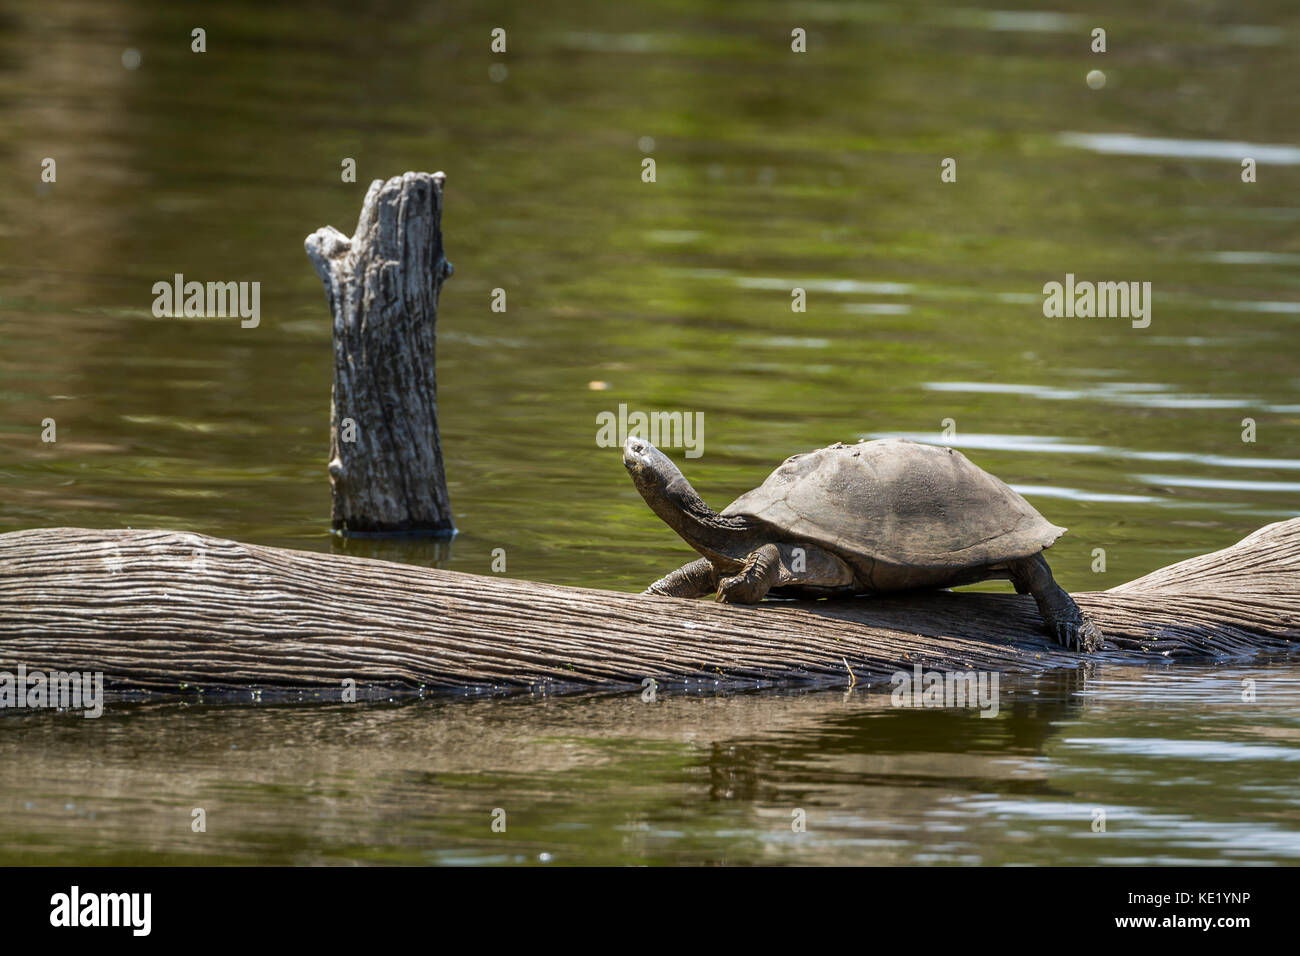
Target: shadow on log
{"points": [[163, 610]]}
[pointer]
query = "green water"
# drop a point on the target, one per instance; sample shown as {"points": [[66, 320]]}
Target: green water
{"points": [[774, 170]]}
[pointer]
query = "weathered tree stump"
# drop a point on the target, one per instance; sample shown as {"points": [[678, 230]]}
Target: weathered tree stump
{"points": [[162, 610], [386, 470]]}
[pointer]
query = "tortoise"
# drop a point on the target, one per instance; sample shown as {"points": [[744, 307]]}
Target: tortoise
{"points": [[869, 518]]}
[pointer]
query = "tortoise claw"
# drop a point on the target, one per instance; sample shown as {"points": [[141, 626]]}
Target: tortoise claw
{"points": [[734, 590], [1080, 635]]}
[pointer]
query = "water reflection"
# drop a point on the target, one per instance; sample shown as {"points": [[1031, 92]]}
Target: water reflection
{"points": [[1184, 768], [429, 551]]}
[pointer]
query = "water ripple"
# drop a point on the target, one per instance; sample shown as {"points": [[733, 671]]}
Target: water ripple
{"points": [[1126, 144]]}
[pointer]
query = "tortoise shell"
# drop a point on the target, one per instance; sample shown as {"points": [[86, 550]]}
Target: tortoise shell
{"points": [[898, 502]]}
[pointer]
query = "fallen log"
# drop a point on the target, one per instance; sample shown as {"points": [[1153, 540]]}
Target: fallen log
{"points": [[170, 611]]}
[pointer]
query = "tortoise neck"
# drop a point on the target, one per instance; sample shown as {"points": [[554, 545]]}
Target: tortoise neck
{"points": [[711, 534]]}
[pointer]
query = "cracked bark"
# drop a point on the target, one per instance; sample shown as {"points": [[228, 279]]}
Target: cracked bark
{"points": [[170, 611], [382, 285]]}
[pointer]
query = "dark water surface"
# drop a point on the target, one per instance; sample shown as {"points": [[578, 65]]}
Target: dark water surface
{"points": [[774, 170]]}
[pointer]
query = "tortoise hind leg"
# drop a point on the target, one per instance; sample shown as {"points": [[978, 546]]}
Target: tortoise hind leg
{"points": [[689, 581], [1066, 621], [748, 586]]}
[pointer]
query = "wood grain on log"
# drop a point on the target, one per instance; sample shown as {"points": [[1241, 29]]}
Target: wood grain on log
{"points": [[161, 609], [386, 470]]}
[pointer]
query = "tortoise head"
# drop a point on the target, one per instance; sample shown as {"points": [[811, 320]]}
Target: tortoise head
{"points": [[668, 493], [651, 470]]}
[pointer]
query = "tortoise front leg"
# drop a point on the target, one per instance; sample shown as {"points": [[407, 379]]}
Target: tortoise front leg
{"points": [[1066, 621], [689, 581], [761, 570]]}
